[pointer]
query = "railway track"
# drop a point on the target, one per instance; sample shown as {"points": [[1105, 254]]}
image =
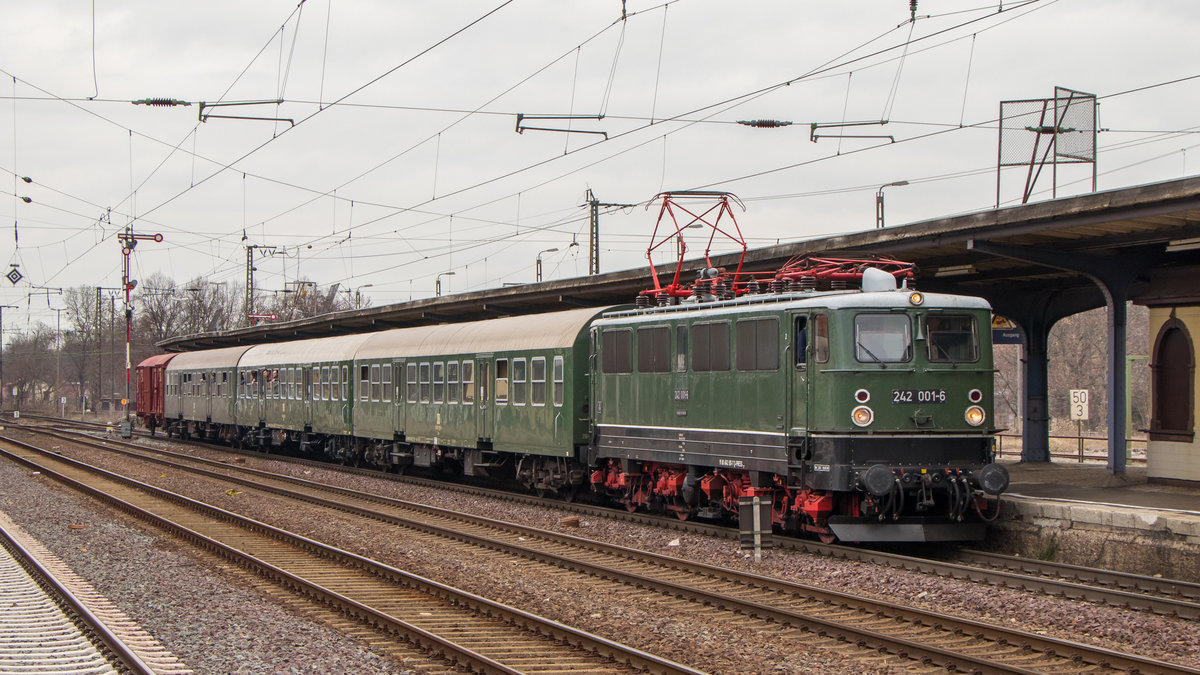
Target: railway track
{"points": [[50, 621], [452, 626], [923, 638], [1166, 597]]}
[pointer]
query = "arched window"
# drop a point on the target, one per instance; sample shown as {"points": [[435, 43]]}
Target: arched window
{"points": [[1173, 373]]}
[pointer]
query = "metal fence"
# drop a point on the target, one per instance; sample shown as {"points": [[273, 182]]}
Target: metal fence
{"points": [[1077, 448]]}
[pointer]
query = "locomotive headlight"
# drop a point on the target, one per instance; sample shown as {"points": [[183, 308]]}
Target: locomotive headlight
{"points": [[975, 416], [863, 416], [916, 298]]}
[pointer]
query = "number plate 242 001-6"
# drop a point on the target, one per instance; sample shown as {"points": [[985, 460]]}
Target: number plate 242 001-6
{"points": [[918, 396]]}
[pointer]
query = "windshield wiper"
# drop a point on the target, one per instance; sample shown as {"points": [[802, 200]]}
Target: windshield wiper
{"points": [[868, 351], [946, 353]]}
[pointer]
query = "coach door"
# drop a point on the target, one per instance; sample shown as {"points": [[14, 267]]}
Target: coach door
{"points": [[483, 397], [802, 371], [400, 385]]}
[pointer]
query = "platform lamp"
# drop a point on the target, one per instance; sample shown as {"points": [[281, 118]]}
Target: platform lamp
{"points": [[879, 202], [437, 282], [539, 261]]}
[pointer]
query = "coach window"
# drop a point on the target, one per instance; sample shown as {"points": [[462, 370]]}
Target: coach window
{"points": [[882, 338], [710, 346], [375, 386], [518, 379], [439, 382], [364, 383], [345, 381], [537, 380], [333, 384], [1172, 381], [951, 338], [452, 382], [424, 383], [410, 377], [386, 380], [314, 387], [325, 383], [758, 344], [617, 348], [653, 348], [468, 382], [501, 381], [557, 374]]}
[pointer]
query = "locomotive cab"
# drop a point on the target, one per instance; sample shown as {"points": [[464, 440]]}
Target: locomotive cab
{"points": [[892, 401]]}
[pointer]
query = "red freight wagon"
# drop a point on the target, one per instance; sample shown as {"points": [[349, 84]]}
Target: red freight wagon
{"points": [[151, 389]]}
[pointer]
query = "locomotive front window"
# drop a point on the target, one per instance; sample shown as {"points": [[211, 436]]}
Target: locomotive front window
{"points": [[882, 338], [952, 338]]}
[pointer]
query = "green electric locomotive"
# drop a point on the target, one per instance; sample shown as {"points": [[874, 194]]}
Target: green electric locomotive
{"points": [[861, 414]]}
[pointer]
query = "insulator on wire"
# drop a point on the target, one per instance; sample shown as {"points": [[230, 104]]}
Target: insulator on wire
{"points": [[161, 102], [765, 124]]}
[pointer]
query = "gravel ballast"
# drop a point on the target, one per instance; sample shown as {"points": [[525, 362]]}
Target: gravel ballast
{"points": [[698, 637]]}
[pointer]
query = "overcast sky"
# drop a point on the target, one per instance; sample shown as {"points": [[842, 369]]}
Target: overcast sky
{"points": [[401, 160]]}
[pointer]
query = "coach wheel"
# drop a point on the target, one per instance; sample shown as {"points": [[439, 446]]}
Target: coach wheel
{"points": [[827, 537]]}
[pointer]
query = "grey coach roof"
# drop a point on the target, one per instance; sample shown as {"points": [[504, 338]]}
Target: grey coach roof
{"points": [[209, 359], [317, 350], [538, 331]]}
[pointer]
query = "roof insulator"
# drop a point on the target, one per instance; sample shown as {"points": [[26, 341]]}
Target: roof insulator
{"points": [[161, 102]]}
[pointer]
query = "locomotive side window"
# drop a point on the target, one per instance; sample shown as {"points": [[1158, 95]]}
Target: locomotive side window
{"points": [[801, 341], [681, 349], [820, 337], [758, 344], [411, 376], [537, 380], [558, 381], [468, 382], [618, 351], [501, 381], [882, 338], [951, 338], [653, 347], [518, 382], [710, 346]]}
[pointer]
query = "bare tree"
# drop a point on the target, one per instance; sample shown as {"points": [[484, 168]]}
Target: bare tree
{"points": [[29, 361]]}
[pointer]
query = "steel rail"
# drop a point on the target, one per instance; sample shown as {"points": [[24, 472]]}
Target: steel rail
{"points": [[1056, 649], [566, 635], [110, 643], [1161, 596]]}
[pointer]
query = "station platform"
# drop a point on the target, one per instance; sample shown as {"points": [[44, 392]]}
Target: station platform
{"points": [[1080, 514]]}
